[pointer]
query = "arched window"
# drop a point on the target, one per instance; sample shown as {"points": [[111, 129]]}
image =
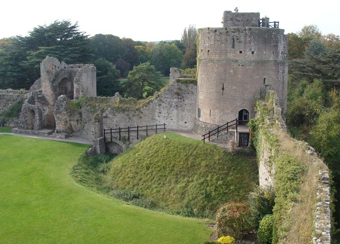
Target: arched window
{"points": [[66, 88], [243, 116]]}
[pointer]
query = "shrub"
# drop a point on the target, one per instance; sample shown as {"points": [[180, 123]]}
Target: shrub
{"points": [[231, 219], [261, 203], [265, 232], [226, 240]]}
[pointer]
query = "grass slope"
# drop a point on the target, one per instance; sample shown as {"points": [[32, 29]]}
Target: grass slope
{"points": [[183, 175], [41, 203]]}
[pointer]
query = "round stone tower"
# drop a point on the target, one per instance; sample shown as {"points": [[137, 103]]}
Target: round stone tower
{"points": [[234, 64]]}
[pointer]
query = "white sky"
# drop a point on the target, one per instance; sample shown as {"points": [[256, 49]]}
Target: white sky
{"points": [[156, 20]]}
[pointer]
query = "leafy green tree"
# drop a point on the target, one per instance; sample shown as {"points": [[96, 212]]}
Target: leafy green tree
{"points": [[109, 47], [142, 81], [20, 57], [189, 40], [296, 46], [107, 78], [13, 72], [189, 37], [131, 55], [309, 32], [144, 51], [164, 56], [305, 105], [61, 39], [190, 58]]}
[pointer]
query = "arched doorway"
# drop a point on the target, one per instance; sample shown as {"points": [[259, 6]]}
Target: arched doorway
{"points": [[30, 119], [66, 88], [243, 117]]}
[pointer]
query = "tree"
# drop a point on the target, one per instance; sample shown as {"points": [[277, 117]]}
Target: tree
{"points": [[13, 72], [61, 39], [189, 37], [131, 55], [107, 78], [164, 56], [190, 58], [109, 47], [142, 81], [189, 40], [296, 46], [20, 57], [309, 32]]}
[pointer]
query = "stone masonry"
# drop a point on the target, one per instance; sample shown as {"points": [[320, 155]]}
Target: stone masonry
{"points": [[234, 63]]}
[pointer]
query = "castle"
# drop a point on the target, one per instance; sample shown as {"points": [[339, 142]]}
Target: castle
{"points": [[234, 64]]}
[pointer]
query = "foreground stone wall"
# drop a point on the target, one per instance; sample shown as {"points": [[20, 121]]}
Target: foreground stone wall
{"points": [[174, 106], [283, 159], [7, 99]]}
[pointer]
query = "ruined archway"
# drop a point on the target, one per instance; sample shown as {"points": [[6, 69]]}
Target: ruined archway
{"points": [[66, 88], [114, 147], [30, 119], [243, 116]]}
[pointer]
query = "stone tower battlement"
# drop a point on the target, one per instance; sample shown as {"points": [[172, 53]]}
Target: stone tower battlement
{"points": [[234, 63]]}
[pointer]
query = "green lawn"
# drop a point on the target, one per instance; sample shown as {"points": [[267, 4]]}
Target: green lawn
{"points": [[41, 203]]}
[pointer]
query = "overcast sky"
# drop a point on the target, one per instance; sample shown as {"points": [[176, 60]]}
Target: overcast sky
{"points": [[156, 20]]}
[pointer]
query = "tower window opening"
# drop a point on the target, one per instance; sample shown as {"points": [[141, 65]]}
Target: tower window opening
{"points": [[252, 52], [233, 43], [222, 88], [264, 80], [243, 117], [240, 51]]}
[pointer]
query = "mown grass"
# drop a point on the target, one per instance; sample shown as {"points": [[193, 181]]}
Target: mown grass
{"points": [[5, 129], [41, 203], [182, 175]]}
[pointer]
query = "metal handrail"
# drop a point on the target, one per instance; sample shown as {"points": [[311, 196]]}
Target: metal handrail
{"points": [[219, 129]]}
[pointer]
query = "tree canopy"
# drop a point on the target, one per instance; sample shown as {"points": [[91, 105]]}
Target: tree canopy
{"points": [[166, 55], [142, 81]]}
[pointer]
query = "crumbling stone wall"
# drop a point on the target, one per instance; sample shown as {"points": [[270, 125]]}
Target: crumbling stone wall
{"points": [[8, 98], [269, 154], [174, 106]]}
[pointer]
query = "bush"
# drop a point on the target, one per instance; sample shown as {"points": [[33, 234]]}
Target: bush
{"points": [[265, 232], [261, 202], [226, 240], [231, 220]]}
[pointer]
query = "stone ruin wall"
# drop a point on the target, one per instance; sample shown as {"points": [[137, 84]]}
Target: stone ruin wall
{"points": [[78, 79], [322, 222], [174, 106], [7, 98]]}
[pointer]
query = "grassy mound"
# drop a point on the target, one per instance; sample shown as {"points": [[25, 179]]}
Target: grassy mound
{"points": [[182, 175]]}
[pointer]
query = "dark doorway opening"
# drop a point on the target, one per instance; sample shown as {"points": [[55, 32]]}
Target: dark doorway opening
{"points": [[243, 117], [66, 88], [243, 139], [30, 120]]}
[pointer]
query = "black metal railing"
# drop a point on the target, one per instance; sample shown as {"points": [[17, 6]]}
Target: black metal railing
{"points": [[266, 23], [219, 129], [129, 131]]}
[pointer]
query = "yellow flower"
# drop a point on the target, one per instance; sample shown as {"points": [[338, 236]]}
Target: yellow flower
{"points": [[226, 240]]}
